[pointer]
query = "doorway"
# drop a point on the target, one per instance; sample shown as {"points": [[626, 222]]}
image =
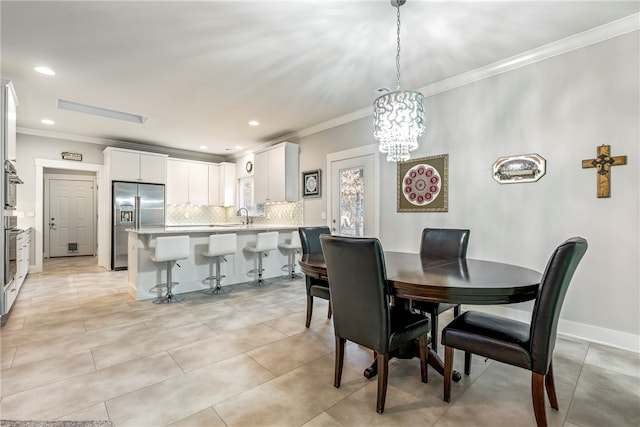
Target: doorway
{"points": [[66, 166], [70, 215], [353, 194]]}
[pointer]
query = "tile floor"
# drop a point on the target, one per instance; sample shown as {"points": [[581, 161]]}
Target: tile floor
{"points": [[78, 347]]}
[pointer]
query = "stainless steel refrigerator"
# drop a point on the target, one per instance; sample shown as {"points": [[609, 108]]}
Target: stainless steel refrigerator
{"points": [[134, 206]]}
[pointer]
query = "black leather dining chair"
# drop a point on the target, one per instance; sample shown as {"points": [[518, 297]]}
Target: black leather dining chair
{"points": [[310, 242], [441, 243], [528, 346], [361, 309]]}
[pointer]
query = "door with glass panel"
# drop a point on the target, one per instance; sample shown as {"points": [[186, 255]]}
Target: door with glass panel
{"points": [[354, 192]]}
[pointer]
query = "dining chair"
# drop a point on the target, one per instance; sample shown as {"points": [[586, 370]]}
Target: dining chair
{"points": [[310, 242], [441, 243], [361, 310], [528, 346]]}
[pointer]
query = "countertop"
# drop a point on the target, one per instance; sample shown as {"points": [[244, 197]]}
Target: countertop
{"points": [[214, 228]]}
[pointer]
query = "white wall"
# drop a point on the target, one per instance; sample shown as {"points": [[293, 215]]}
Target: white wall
{"points": [[561, 108]]}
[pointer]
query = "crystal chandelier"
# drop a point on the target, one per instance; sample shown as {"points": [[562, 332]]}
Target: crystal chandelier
{"points": [[398, 117]]}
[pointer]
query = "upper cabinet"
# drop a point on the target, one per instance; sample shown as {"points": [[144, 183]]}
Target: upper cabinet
{"points": [[8, 103], [136, 166], [227, 184], [187, 182], [199, 183], [276, 172]]}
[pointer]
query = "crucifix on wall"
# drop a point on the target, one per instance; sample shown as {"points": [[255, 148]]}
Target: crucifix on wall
{"points": [[603, 163]]}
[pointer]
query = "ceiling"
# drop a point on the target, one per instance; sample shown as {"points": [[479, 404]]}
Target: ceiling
{"points": [[200, 71]]}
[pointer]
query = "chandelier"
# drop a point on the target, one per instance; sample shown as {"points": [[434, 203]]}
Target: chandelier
{"points": [[398, 117]]}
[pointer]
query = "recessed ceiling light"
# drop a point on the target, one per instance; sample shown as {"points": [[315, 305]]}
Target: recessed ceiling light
{"points": [[48, 122], [42, 69], [254, 123], [203, 147], [99, 111], [237, 147]]}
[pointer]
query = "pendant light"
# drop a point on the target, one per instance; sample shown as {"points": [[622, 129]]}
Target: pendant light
{"points": [[398, 117]]}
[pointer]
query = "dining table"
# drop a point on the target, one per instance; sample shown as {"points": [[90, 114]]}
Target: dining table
{"points": [[415, 277]]}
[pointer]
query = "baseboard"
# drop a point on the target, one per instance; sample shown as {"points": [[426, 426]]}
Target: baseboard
{"points": [[567, 328]]}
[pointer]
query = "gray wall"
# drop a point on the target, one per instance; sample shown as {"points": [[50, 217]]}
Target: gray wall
{"points": [[561, 108]]}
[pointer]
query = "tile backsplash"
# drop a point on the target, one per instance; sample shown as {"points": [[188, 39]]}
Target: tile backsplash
{"points": [[286, 213]]}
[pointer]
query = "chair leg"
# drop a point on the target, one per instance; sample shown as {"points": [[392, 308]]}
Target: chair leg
{"points": [[330, 311], [467, 363], [383, 375], [337, 374], [456, 310], [448, 371], [434, 330], [309, 310], [537, 395], [424, 372], [550, 385]]}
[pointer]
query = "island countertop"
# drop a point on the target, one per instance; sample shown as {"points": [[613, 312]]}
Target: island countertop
{"points": [[216, 228]]}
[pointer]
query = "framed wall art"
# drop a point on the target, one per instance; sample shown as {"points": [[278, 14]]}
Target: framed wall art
{"points": [[311, 181], [422, 184]]}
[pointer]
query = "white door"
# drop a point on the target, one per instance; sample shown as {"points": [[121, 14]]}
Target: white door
{"points": [[71, 220], [353, 192]]}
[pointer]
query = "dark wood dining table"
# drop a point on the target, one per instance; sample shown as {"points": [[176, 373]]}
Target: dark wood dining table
{"points": [[445, 280]]}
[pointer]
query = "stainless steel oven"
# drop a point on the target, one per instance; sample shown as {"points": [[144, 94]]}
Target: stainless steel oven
{"points": [[11, 232], [11, 180]]}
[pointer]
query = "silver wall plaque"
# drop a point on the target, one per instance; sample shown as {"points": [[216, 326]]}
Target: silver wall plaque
{"points": [[522, 168]]}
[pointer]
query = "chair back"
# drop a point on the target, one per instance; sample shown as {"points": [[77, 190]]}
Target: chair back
{"points": [[546, 310], [359, 292], [310, 239], [267, 241], [171, 248], [295, 240], [222, 244], [444, 242]]}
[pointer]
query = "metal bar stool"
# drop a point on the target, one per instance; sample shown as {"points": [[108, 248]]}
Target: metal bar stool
{"points": [[291, 247], [266, 242], [170, 249], [219, 246]]}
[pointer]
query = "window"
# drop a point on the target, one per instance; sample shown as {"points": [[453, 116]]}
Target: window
{"points": [[245, 197]]}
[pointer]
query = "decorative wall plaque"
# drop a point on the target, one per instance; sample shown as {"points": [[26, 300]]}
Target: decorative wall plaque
{"points": [[67, 155], [311, 183], [422, 184], [517, 169]]}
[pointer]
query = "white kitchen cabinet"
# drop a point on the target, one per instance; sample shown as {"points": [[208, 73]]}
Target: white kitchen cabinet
{"points": [[23, 245], [177, 188], [135, 166], [9, 101], [187, 182], [227, 184], [214, 185], [198, 183], [222, 184], [276, 173]]}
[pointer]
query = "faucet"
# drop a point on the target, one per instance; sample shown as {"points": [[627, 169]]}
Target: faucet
{"points": [[246, 213]]}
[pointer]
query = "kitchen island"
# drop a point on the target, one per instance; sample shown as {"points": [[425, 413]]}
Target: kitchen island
{"points": [[144, 274]]}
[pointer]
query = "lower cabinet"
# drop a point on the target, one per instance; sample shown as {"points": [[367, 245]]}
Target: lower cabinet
{"points": [[23, 250]]}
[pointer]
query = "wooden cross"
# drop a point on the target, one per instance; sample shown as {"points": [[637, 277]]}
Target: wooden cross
{"points": [[603, 163]]}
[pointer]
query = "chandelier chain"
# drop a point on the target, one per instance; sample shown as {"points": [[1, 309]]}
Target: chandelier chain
{"points": [[398, 49]]}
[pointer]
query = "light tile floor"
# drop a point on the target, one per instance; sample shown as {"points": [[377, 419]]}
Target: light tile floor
{"points": [[78, 347]]}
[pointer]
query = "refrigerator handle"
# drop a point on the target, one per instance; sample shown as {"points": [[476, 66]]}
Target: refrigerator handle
{"points": [[137, 214]]}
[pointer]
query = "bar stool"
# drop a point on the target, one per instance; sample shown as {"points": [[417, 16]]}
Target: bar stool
{"points": [[219, 246], [170, 249], [266, 242], [291, 247]]}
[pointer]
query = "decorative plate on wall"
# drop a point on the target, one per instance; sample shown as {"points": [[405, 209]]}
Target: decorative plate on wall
{"points": [[521, 168], [422, 184]]}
